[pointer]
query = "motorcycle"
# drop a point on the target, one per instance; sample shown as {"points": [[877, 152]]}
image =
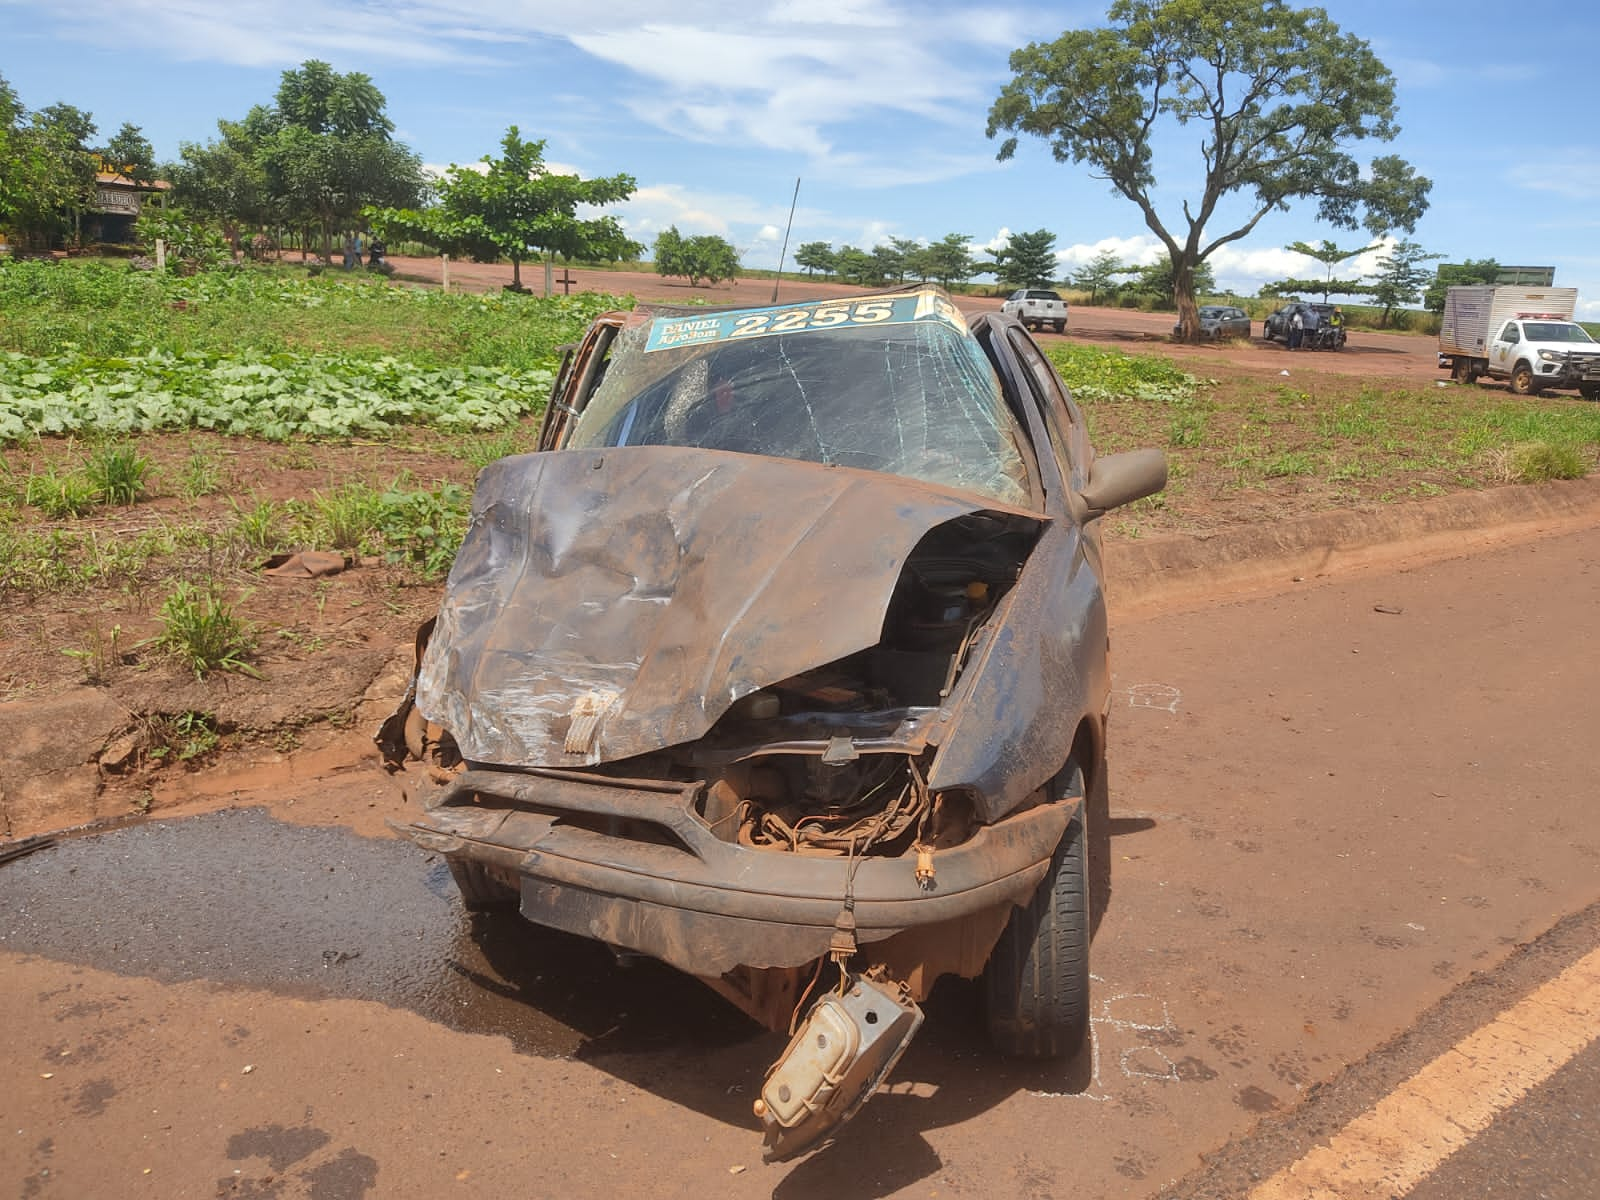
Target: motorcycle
{"points": [[1325, 337]]}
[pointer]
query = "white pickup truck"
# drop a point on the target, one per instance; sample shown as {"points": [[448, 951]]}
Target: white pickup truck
{"points": [[1036, 308], [1520, 334]]}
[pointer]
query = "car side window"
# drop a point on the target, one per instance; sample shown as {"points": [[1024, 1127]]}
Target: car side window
{"points": [[1511, 333], [1060, 413]]}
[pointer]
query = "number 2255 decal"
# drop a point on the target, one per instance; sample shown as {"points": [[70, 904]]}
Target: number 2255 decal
{"points": [[824, 316]]}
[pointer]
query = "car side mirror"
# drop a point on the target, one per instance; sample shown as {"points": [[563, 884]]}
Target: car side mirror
{"points": [[1118, 479]]}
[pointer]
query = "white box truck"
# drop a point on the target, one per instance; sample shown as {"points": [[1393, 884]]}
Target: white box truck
{"points": [[1525, 335]]}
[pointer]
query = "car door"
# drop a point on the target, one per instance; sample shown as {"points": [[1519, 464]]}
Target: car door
{"points": [[1503, 350]]}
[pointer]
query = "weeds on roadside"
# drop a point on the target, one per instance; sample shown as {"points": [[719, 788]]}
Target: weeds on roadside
{"points": [[345, 516], [180, 737], [100, 652], [1536, 462], [117, 471], [201, 475], [200, 629], [424, 528], [265, 526], [481, 451], [59, 493]]}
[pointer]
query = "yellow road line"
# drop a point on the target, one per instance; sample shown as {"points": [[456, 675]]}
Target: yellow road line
{"points": [[1402, 1139]]}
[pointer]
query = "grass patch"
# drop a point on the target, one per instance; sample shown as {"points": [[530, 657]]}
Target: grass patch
{"points": [[201, 475], [100, 308], [61, 493], [117, 472], [1538, 462], [201, 630], [1096, 374], [180, 737]]}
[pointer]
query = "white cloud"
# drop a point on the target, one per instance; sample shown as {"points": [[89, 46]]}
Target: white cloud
{"points": [[713, 71], [1569, 172]]}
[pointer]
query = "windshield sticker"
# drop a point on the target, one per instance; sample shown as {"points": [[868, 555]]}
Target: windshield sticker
{"points": [[673, 333]]}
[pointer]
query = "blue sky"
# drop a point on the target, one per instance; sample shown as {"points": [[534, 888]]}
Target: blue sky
{"points": [[878, 107]]}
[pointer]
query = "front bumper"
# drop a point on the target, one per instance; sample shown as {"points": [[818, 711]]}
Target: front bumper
{"points": [[1568, 373], [631, 863]]}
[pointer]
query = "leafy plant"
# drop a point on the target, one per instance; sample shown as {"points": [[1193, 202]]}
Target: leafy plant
{"points": [[100, 652], [61, 493], [424, 528], [201, 475], [264, 526], [1536, 462], [201, 630], [276, 397], [346, 515], [117, 472], [1094, 374], [180, 736], [481, 451]]}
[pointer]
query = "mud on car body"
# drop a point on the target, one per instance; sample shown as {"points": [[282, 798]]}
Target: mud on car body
{"points": [[785, 661]]}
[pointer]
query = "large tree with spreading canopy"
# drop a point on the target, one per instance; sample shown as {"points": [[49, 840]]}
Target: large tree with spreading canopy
{"points": [[1276, 93], [515, 207]]}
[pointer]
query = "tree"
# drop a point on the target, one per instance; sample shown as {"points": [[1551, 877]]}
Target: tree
{"points": [[225, 180], [1474, 270], [324, 150], [889, 262], [1278, 93], [705, 256], [949, 260], [857, 266], [1330, 256], [46, 170], [1099, 274], [1156, 279], [1400, 277], [130, 155], [1313, 287], [514, 207], [1027, 260], [815, 256]]}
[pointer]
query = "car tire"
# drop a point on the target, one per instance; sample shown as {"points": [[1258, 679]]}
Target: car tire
{"points": [[480, 890], [1266, 333], [1522, 380], [1036, 984], [1061, 326], [1589, 391]]}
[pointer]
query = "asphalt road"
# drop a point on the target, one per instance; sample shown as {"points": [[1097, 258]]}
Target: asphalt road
{"points": [[1336, 811]]}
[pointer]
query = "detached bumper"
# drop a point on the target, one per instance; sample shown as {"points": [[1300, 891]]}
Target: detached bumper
{"points": [[630, 863]]}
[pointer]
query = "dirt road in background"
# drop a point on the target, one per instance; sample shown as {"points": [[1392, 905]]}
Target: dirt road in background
{"points": [[1387, 358]]}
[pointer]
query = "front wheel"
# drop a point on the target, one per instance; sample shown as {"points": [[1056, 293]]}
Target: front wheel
{"points": [[1036, 983], [1589, 391], [1522, 382]]}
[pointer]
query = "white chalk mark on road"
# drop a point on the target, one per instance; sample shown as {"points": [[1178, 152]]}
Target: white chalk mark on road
{"points": [[1154, 695]]}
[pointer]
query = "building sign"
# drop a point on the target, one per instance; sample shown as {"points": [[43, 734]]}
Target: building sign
{"points": [[123, 201]]}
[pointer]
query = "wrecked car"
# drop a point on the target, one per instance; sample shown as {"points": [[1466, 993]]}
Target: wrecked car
{"points": [[784, 661]]}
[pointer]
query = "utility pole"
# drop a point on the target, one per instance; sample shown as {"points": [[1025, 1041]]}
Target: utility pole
{"points": [[782, 254]]}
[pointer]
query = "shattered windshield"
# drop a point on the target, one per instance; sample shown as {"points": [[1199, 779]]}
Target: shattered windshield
{"points": [[893, 383]]}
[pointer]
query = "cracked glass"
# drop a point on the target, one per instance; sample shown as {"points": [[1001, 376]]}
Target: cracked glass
{"points": [[913, 396]]}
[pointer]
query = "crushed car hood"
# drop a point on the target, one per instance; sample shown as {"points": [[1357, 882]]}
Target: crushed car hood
{"points": [[610, 602]]}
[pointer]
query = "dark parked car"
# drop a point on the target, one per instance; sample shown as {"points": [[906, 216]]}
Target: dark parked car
{"points": [[1276, 325], [1218, 321], [784, 662]]}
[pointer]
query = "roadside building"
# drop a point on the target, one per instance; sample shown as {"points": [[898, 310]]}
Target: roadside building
{"points": [[118, 201]]}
